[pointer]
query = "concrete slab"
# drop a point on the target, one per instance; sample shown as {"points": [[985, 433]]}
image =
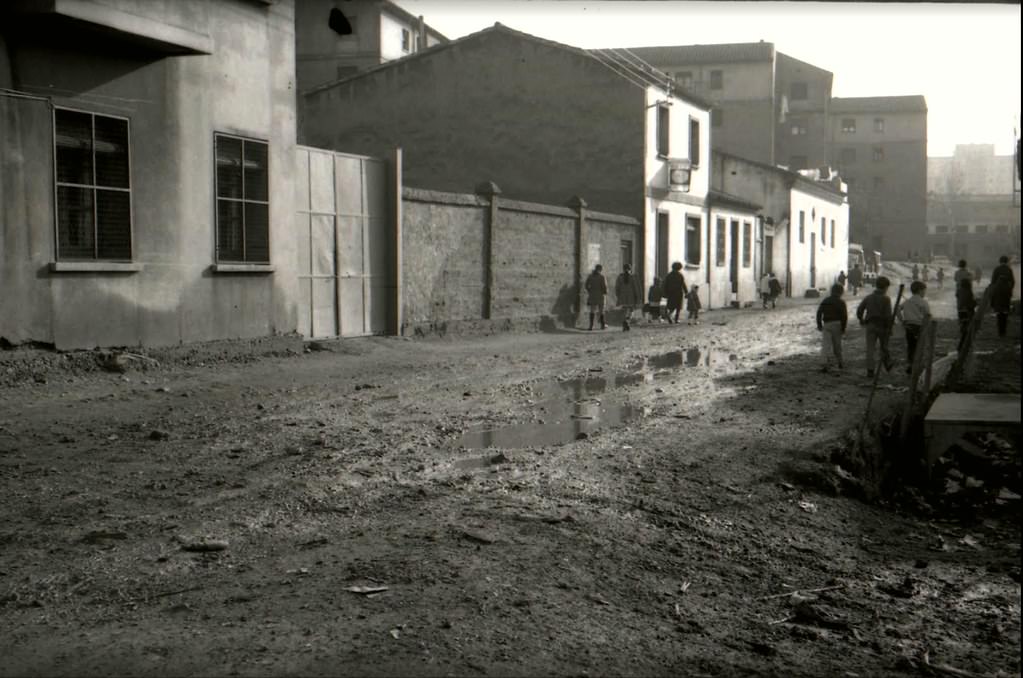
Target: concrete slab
{"points": [[975, 408]]}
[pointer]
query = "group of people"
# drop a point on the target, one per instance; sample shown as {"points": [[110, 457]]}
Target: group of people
{"points": [[875, 314], [664, 299]]}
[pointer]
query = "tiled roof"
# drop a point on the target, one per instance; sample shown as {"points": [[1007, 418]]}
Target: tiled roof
{"points": [[902, 104], [736, 52]]}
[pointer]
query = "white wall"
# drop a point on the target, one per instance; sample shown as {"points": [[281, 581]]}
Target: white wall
{"points": [[720, 290], [390, 37], [679, 206], [828, 259]]}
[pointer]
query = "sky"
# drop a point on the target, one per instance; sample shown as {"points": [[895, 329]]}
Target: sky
{"points": [[964, 58]]}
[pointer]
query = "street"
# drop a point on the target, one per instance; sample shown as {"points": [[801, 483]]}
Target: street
{"points": [[660, 506]]}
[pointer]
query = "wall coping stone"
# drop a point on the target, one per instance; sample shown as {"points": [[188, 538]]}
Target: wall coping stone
{"points": [[442, 197]]}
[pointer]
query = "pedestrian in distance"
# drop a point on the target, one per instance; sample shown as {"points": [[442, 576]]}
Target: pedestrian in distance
{"points": [[856, 279], [966, 306], [916, 273], [765, 288], [832, 318], [925, 274], [655, 301], [961, 272], [941, 277], [675, 291], [977, 273], [596, 294], [913, 313], [1003, 282], [693, 305], [875, 314], [775, 287], [628, 294]]}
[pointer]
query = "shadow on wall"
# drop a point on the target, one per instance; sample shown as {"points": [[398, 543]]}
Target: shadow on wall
{"points": [[563, 311]]}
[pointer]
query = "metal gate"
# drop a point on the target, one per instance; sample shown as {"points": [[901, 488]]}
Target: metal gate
{"points": [[345, 276]]}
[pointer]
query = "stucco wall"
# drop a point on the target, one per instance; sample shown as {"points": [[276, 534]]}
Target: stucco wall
{"points": [[720, 287], [497, 106], [174, 104], [827, 259]]}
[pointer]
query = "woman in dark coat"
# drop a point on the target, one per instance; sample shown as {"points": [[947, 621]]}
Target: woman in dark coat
{"points": [[674, 291], [1003, 282]]}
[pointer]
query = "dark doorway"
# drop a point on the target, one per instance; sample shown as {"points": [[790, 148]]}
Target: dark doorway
{"points": [[662, 245], [733, 268]]}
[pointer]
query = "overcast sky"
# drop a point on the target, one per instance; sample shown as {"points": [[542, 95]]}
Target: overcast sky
{"points": [[965, 58]]}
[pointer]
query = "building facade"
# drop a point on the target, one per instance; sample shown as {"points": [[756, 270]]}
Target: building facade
{"points": [[338, 38], [879, 145], [971, 211], [545, 122], [767, 106], [801, 233], [145, 188]]}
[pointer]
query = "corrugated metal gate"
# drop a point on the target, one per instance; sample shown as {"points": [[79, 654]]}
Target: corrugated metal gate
{"points": [[345, 276]]}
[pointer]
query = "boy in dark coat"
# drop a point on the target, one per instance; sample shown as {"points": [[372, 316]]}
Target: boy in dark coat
{"points": [[674, 291], [693, 305], [875, 314], [832, 317], [596, 294], [1002, 282]]}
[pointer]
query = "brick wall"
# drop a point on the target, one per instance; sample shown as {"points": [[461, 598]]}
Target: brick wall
{"points": [[534, 263]]}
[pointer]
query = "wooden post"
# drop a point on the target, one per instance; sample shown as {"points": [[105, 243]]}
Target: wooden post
{"points": [[581, 250], [914, 377], [489, 191], [931, 338]]}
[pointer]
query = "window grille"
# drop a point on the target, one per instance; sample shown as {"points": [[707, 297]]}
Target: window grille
{"points": [[93, 186], [693, 240], [243, 204]]}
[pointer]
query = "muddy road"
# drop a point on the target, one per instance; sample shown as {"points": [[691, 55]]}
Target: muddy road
{"points": [[574, 503]]}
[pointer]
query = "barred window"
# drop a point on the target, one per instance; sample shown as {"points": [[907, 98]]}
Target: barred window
{"points": [[243, 200], [93, 186], [747, 243]]}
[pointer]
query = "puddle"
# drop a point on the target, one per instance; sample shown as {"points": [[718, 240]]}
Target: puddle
{"points": [[571, 407], [575, 418]]}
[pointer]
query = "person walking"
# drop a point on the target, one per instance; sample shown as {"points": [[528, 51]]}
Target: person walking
{"points": [[628, 294], [941, 277], [925, 274], [842, 277], [596, 294], [832, 317], [913, 313], [856, 279], [875, 314], [978, 272], [655, 301], [765, 288], [966, 306], [675, 291], [775, 286], [1003, 282], [961, 272], [693, 305], [916, 272]]}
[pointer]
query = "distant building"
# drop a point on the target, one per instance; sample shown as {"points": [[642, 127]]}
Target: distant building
{"points": [[970, 208], [879, 145], [338, 38], [803, 220], [547, 121], [767, 106], [147, 151]]}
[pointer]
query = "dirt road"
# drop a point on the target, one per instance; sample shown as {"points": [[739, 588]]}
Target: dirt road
{"points": [[655, 509]]}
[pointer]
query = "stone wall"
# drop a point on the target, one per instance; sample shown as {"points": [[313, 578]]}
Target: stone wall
{"points": [[488, 263]]}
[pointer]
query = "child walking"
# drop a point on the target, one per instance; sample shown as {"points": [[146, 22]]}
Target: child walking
{"points": [[832, 317], [655, 301], [966, 305], [913, 313], [875, 314], [693, 305]]}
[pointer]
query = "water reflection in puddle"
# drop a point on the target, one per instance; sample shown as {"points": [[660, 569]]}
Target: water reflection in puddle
{"points": [[571, 408]]}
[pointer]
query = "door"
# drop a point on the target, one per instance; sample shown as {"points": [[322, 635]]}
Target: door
{"points": [[733, 268], [813, 260], [768, 254], [344, 245]]}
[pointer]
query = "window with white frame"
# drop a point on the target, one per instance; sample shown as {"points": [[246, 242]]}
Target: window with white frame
{"points": [[243, 200], [406, 40], [93, 185]]}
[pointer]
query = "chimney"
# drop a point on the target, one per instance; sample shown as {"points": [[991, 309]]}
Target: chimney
{"points": [[422, 32]]}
